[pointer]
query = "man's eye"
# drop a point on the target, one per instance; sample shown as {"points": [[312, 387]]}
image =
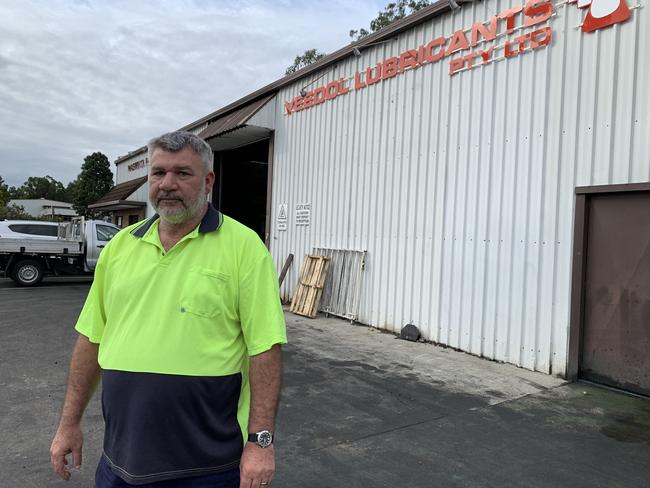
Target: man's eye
{"points": [[184, 173]]}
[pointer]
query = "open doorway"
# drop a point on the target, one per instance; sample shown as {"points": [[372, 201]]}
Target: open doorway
{"points": [[241, 188]]}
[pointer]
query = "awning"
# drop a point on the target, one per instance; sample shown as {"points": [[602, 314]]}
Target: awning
{"points": [[116, 198], [234, 120]]}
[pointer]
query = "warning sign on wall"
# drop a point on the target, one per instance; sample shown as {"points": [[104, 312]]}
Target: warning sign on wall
{"points": [[283, 215], [303, 214]]}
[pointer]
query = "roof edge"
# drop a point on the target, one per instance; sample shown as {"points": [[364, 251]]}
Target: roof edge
{"points": [[131, 203], [130, 155], [434, 10]]}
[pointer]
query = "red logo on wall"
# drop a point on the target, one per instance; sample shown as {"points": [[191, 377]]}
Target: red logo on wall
{"points": [[603, 13], [512, 32]]}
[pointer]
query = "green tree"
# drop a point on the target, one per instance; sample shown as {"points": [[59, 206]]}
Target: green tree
{"points": [[11, 212], [4, 193], [14, 193], [42, 187], [93, 182], [392, 12], [308, 57], [14, 212], [69, 191]]}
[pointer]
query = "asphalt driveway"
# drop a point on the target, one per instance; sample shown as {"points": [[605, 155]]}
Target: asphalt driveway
{"points": [[360, 408]]}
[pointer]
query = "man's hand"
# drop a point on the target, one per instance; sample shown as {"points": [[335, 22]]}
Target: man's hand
{"points": [[257, 466], [82, 380], [68, 439]]}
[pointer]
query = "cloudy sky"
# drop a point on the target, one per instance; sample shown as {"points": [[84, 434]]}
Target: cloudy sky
{"points": [[84, 76]]}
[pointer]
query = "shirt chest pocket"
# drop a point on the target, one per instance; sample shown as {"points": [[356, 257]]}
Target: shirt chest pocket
{"points": [[205, 293]]}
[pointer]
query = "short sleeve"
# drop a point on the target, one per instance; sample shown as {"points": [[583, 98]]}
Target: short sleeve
{"points": [[260, 310], [92, 318]]}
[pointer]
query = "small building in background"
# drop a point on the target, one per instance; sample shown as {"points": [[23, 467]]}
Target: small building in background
{"points": [[126, 201], [42, 208]]}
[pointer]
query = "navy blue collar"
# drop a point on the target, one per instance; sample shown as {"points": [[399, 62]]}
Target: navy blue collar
{"points": [[211, 221]]}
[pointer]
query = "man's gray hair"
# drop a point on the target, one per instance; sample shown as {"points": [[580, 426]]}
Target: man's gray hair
{"points": [[179, 140]]}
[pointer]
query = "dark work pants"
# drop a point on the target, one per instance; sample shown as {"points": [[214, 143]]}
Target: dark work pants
{"points": [[105, 478]]}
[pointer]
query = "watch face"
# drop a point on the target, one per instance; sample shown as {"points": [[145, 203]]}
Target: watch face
{"points": [[264, 438]]}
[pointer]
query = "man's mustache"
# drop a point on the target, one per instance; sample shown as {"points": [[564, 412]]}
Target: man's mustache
{"points": [[168, 196]]}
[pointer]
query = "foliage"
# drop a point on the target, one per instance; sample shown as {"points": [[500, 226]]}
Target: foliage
{"points": [[41, 187], [70, 189], [14, 212], [4, 193], [308, 57], [14, 192], [392, 12], [34, 187], [94, 181]]}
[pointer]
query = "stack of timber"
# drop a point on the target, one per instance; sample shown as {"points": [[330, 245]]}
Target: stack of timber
{"points": [[313, 273]]}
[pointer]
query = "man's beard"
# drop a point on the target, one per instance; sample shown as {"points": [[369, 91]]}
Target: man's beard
{"points": [[180, 214]]}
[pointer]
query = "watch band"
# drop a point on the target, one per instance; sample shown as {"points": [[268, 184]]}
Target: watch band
{"points": [[263, 438]]}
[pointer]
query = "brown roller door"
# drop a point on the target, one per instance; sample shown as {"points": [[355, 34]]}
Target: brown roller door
{"points": [[616, 330]]}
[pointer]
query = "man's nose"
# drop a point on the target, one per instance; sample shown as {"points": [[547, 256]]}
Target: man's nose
{"points": [[168, 182]]}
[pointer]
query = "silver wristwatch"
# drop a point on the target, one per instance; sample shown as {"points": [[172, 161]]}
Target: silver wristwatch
{"points": [[263, 438]]}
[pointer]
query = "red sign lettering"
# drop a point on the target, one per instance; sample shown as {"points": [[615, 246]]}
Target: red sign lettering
{"points": [[536, 12], [458, 42], [488, 33], [408, 59], [480, 38], [432, 57]]}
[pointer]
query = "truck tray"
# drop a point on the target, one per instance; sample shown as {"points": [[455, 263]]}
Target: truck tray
{"points": [[43, 246]]}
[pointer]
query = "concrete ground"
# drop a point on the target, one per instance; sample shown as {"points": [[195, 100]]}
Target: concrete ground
{"points": [[360, 408]]}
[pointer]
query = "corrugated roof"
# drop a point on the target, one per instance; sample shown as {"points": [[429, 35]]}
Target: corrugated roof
{"points": [[121, 191], [235, 119], [434, 10]]}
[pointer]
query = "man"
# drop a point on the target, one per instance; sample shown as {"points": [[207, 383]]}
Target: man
{"points": [[184, 322]]}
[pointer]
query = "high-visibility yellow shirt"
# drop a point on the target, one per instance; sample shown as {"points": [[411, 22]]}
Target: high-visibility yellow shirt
{"points": [[175, 330]]}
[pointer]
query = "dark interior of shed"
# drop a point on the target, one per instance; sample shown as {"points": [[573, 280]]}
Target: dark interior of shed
{"points": [[241, 184]]}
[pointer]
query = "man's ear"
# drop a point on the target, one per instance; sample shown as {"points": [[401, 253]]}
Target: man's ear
{"points": [[209, 182]]}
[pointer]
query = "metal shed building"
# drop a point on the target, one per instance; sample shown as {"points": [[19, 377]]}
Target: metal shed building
{"points": [[492, 159]]}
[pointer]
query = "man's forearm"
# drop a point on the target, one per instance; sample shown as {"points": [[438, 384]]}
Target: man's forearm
{"points": [[265, 382], [82, 380]]}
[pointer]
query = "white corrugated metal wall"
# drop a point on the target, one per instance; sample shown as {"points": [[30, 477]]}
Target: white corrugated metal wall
{"points": [[461, 188]]}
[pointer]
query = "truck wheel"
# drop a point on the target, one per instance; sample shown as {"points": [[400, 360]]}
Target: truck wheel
{"points": [[27, 272]]}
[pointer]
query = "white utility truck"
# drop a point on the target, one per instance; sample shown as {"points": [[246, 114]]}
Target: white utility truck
{"points": [[30, 250]]}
